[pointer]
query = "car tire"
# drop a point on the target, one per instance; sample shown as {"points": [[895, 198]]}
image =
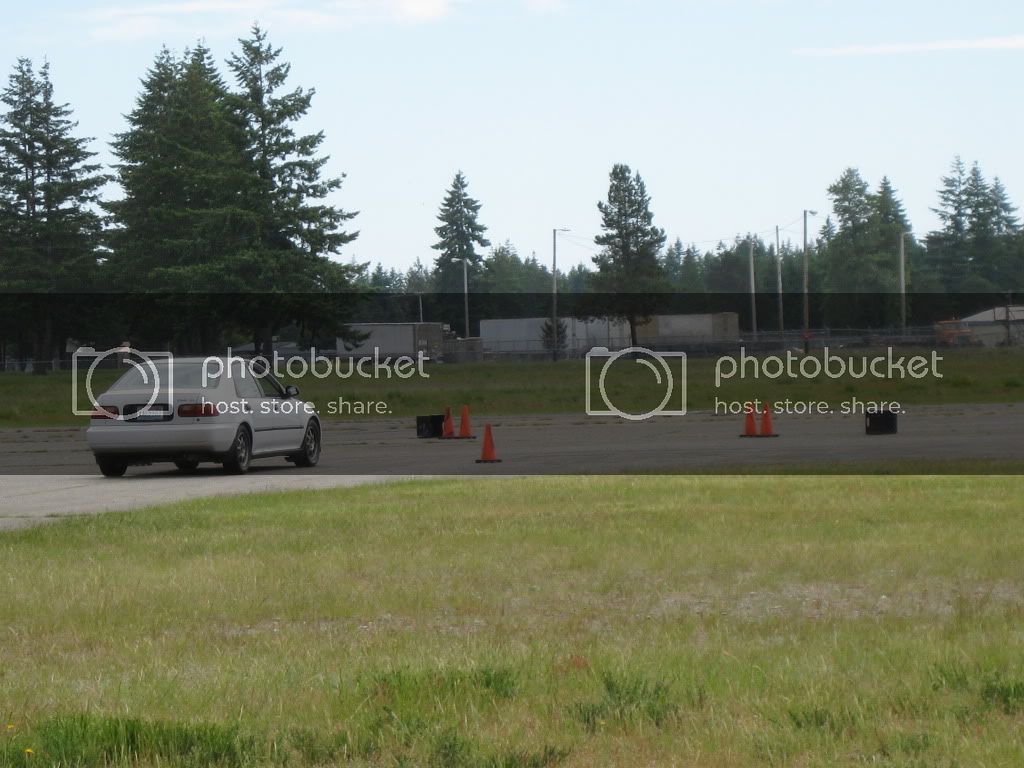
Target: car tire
{"points": [[187, 467], [110, 467], [239, 455], [309, 454]]}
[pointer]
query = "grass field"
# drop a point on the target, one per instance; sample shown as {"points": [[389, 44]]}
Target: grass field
{"points": [[969, 376], [631, 622]]}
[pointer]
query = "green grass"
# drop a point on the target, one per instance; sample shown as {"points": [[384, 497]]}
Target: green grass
{"points": [[969, 376], [715, 621]]}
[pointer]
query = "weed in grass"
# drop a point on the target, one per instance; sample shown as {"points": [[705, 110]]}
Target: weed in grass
{"points": [[819, 718], [912, 743], [315, 748], [548, 757], [628, 700], [403, 685], [952, 675], [451, 751], [1004, 692]]}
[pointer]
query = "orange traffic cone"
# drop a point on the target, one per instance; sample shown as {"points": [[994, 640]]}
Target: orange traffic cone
{"points": [[766, 422], [488, 454], [465, 428], [449, 428], [749, 427]]}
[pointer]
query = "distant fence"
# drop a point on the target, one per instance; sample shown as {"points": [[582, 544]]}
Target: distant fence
{"points": [[533, 349], [761, 342]]}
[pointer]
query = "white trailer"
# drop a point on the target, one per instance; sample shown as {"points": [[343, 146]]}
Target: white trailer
{"points": [[395, 339]]}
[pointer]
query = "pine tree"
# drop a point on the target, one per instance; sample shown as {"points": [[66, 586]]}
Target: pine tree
{"points": [[417, 278], [552, 340], [860, 255], [48, 189], [948, 252], [628, 269], [1005, 219], [952, 210], [460, 233], [979, 213], [182, 223], [691, 277], [672, 262], [294, 224]]}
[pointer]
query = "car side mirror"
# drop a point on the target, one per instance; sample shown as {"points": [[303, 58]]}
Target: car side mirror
{"points": [[291, 391]]}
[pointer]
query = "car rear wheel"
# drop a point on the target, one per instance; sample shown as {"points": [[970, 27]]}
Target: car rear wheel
{"points": [[309, 453], [111, 467], [188, 467], [239, 455]]}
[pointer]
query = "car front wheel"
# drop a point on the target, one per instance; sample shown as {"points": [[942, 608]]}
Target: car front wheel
{"points": [[309, 453], [239, 455]]}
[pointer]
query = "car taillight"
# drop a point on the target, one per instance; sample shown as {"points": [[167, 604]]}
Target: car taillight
{"points": [[105, 412], [197, 410]]}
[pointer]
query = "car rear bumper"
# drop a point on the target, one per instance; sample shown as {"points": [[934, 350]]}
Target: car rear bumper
{"points": [[161, 440]]}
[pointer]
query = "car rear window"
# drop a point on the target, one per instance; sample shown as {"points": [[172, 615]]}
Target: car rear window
{"points": [[186, 376]]}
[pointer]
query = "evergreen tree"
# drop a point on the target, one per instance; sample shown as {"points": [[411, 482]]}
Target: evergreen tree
{"points": [[417, 278], [628, 270], [294, 224], [980, 215], [552, 340], [385, 280], [948, 252], [503, 270], [577, 280], [672, 262], [1005, 219], [691, 276], [460, 233], [296, 230], [48, 189], [182, 223], [860, 257]]}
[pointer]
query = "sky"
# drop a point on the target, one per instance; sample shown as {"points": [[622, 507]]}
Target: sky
{"points": [[737, 113]]}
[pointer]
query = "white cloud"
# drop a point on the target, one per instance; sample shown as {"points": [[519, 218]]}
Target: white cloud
{"points": [[176, 18], [1008, 43]]}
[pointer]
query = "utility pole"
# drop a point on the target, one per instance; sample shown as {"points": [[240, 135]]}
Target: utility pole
{"points": [[1009, 327], [465, 291], [753, 287], [903, 282], [555, 338], [778, 281], [420, 296], [554, 295], [807, 287]]}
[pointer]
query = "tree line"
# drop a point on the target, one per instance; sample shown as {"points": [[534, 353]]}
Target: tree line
{"points": [[222, 225], [978, 248]]}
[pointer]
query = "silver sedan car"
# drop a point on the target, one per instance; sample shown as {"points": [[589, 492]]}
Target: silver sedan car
{"points": [[193, 410]]}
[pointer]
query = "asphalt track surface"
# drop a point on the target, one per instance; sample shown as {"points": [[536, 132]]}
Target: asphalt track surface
{"points": [[50, 473]]}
